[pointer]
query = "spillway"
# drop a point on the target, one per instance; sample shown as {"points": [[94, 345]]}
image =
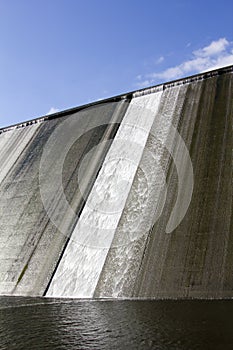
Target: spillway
{"points": [[130, 197]]}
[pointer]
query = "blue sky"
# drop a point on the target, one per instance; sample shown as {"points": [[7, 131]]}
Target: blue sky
{"points": [[58, 54]]}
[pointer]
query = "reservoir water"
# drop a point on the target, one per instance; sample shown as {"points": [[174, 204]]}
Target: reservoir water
{"points": [[46, 323]]}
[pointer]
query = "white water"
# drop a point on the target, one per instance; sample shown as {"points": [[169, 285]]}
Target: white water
{"points": [[81, 265], [144, 204]]}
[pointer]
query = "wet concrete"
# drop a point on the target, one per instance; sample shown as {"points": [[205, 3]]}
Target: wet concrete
{"points": [[195, 260]]}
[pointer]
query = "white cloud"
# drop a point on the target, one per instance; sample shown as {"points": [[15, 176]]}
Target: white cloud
{"points": [[216, 47], [52, 110], [159, 60], [217, 54]]}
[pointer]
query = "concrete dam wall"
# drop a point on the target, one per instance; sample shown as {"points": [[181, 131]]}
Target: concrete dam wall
{"points": [[127, 197]]}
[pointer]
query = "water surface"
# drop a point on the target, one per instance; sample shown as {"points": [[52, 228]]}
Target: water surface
{"points": [[41, 323]]}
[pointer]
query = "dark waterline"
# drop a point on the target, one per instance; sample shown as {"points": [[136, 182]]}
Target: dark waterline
{"points": [[39, 323]]}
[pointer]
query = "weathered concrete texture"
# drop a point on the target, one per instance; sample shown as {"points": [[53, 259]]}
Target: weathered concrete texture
{"points": [[30, 244], [196, 259]]}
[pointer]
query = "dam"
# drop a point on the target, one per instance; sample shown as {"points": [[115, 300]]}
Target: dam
{"points": [[129, 197]]}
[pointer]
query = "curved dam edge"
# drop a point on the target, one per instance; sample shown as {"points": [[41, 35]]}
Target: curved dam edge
{"points": [[126, 95]]}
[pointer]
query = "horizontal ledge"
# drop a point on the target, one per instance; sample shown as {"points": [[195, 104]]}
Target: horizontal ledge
{"points": [[128, 95]]}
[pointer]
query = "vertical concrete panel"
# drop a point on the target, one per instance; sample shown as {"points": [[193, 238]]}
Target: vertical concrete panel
{"points": [[12, 144], [194, 259]]}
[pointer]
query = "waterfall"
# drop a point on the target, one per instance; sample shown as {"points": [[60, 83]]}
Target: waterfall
{"points": [[144, 204], [79, 270]]}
